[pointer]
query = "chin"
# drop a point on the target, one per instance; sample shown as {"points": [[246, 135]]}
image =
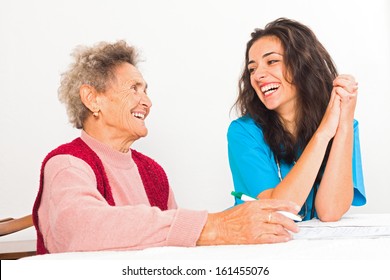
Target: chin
{"points": [[143, 134]]}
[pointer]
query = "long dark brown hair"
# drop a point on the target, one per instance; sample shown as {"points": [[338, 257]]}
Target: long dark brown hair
{"points": [[312, 71]]}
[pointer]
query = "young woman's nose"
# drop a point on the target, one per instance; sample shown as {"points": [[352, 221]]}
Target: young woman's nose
{"points": [[260, 73]]}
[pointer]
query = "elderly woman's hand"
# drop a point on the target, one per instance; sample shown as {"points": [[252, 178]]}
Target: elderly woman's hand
{"points": [[253, 222]]}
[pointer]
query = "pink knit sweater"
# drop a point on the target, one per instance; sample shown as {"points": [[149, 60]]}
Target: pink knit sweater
{"points": [[74, 216]]}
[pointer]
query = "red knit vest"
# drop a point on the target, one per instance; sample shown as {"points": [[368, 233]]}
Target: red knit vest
{"points": [[152, 174]]}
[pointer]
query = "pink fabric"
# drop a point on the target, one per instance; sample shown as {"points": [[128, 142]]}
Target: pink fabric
{"points": [[74, 216]]}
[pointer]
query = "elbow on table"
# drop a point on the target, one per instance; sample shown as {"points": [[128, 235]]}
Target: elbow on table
{"points": [[332, 213], [330, 216]]}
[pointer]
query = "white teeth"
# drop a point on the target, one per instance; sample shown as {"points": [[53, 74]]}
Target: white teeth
{"points": [[269, 92], [139, 115], [270, 88]]}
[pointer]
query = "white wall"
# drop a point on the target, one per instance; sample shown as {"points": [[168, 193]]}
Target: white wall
{"points": [[193, 53]]}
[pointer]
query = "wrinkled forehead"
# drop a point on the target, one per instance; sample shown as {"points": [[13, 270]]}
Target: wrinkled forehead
{"points": [[127, 74]]}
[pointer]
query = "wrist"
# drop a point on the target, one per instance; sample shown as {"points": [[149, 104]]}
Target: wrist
{"points": [[322, 137], [209, 234], [345, 127]]}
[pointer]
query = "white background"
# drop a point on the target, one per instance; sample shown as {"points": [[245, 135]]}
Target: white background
{"points": [[192, 54]]}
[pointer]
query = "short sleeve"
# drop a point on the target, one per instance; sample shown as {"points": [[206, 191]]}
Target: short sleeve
{"points": [[251, 161], [359, 197]]}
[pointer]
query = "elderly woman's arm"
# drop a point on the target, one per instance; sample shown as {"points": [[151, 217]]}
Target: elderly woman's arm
{"points": [[75, 217]]}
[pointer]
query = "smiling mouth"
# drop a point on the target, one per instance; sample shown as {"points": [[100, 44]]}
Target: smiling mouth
{"points": [[138, 115], [269, 89]]}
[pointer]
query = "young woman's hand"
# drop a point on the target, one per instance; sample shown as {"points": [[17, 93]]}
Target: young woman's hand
{"points": [[347, 89], [331, 118]]}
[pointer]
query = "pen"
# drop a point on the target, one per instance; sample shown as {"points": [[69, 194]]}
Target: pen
{"points": [[245, 197]]}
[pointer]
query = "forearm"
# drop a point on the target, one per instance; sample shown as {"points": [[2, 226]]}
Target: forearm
{"points": [[122, 228], [335, 193], [297, 184]]}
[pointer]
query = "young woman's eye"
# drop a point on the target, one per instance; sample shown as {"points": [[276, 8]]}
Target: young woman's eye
{"points": [[251, 70], [273, 61]]}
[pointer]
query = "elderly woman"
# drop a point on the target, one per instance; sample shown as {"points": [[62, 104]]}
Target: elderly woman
{"points": [[96, 193]]}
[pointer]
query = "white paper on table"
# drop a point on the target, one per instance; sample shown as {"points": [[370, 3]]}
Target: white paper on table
{"points": [[351, 226]]}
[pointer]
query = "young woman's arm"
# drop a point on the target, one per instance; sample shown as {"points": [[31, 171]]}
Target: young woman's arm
{"points": [[335, 193], [297, 184]]}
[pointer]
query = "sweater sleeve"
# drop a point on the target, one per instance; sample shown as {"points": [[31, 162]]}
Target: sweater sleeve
{"points": [[75, 217]]}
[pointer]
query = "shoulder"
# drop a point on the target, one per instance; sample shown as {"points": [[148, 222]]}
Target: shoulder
{"points": [[69, 164], [65, 161], [77, 148], [245, 126], [73, 155]]}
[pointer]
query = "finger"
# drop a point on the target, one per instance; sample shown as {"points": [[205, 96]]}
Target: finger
{"points": [[347, 85], [279, 219], [336, 102], [272, 234], [268, 238], [332, 96], [276, 204], [346, 77], [346, 82], [345, 95]]}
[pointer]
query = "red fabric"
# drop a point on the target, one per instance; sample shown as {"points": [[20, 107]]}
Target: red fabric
{"points": [[152, 174]]}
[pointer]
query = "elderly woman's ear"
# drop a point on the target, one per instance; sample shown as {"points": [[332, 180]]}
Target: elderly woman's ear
{"points": [[88, 97]]}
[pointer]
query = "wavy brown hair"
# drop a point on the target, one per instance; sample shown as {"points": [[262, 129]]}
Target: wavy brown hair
{"points": [[312, 71]]}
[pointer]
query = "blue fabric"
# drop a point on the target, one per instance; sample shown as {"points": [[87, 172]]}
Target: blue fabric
{"points": [[254, 168]]}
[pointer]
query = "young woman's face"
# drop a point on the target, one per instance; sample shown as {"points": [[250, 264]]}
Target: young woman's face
{"points": [[268, 78]]}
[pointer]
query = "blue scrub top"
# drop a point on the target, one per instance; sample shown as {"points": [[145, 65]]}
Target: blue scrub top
{"points": [[254, 168]]}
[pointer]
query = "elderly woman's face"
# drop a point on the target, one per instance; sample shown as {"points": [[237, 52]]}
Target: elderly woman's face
{"points": [[125, 105]]}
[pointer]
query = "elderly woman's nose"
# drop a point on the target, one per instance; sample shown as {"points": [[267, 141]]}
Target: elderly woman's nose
{"points": [[145, 101]]}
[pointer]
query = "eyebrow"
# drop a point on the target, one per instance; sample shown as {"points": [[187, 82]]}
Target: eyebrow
{"points": [[139, 83], [264, 56]]}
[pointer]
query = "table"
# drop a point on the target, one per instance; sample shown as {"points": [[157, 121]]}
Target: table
{"points": [[313, 243]]}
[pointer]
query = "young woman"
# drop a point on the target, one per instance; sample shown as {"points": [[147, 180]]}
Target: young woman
{"points": [[296, 138]]}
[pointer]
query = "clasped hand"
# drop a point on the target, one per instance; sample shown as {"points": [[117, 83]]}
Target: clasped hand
{"points": [[341, 108]]}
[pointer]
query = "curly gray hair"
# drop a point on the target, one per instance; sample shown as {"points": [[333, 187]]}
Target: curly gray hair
{"points": [[93, 66]]}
